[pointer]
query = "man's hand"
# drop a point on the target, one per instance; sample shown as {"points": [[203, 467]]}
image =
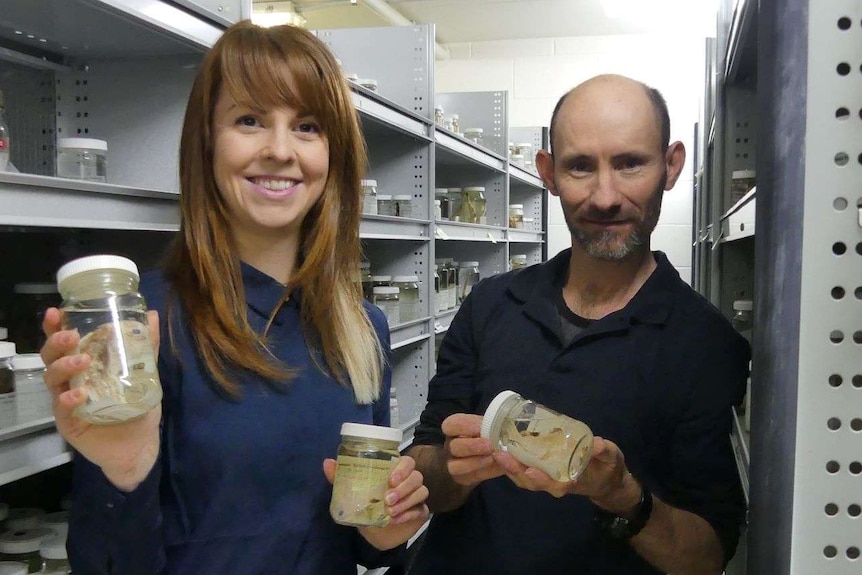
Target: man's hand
{"points": [[469, 456]]}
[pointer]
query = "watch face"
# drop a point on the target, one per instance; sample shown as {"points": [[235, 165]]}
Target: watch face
{"points": [[619, 526]]}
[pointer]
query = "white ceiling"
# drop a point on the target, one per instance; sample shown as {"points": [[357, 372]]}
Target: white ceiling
{"points": [[481, 20]]}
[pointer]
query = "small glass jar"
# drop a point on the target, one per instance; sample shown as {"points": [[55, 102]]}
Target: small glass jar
{"points": [[403, 205], [438, 211], [451, 268], [22, 545], [516, 216], [437, 307], [442, 195], [530, 224], [57, 522], [438, 115], [82, 159], [7, 374], [475, 135], [743, 319], [29, 302], [473, 205], [517, 261], [538, 436], [366, 457], [526, 150], [32, 397], [385, 205], [455, 195], [55, 560], [13, 568], [23, 518], [369, 197], [365, 279], [443, 285], [101, 300], [468, 275], [380, 281], [387, 299], [408, 297]]}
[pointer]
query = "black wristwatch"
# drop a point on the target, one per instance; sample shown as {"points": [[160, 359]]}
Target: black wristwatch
{"points": [[622, 528]]}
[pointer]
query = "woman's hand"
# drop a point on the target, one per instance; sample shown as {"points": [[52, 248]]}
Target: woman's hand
{"points": [[405, 504], [125, 452]]}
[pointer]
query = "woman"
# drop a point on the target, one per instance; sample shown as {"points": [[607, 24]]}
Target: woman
{"points": [[268, 346]]}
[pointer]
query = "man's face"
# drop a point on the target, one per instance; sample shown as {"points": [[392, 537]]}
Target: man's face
{"points": [[609, 170]]}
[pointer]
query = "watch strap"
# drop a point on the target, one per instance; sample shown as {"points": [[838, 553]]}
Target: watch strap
{"points": [[625, 528]]}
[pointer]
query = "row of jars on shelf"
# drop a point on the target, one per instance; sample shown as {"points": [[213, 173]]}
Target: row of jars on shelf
{"points": [[453, 282], [396, 295]]}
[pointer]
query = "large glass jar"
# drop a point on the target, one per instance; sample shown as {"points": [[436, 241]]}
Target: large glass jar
{"points": [[101, 300], [468, 275], [442, 195], [23, 546], [456, 195], [517, 261], [538, 436], [408, 297], [385, 205], [443, 290], [516, 216], [403, 205], [366, 457], [32, 397], [387, 299], [473, 205], [369, 197], [82, 159]]}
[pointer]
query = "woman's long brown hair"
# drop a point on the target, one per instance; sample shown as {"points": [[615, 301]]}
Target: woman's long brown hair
{"points": [[274, 67]]}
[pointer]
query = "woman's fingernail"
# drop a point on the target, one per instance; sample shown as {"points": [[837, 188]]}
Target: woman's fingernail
{"points": [[391, 498]]}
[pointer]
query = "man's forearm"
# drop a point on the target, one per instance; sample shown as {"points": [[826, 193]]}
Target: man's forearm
{"points": [[443, 493], [679, 542]]}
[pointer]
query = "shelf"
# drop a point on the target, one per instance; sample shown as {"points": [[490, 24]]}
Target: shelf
{"points": [[525, 236], [409, 333], [739, 221], [523, 176], [455, 150], [393, 228], [469, 232], [739, 439], [43, 201], [28, 447], [374, 107], [443, 320]]}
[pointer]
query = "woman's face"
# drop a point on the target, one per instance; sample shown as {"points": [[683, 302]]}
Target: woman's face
{"points": [[270, 166]]}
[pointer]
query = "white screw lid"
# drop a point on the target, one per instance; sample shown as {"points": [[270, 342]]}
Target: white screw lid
{"points": [[441, 191], [474, 189], [367, 183], [493, 409], [101, 262], [386, 290], [516, 206], [473, 130], [384, 197], [18, 542], [372, 431], [35, 288], [82, 143], [403, 279], [25, 361], [7, 348], [743, 174], [13, 568], [519, 257], [403, 198], [468, 264], [743, 305], [381, 278], [53, 548]]}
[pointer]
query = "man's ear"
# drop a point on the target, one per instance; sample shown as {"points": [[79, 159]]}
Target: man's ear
{"points": [[545, 165], [674, 161]]}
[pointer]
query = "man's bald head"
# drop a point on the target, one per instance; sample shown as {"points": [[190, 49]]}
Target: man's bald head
{"points": [[615, 82]]}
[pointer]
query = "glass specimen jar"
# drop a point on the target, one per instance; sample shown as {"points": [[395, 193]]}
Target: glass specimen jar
{"points": [[538, 436], [101, 300], [366, 457]]}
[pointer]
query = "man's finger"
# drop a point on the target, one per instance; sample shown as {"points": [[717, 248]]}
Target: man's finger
{"points": [[470, 447], [462, 425]]}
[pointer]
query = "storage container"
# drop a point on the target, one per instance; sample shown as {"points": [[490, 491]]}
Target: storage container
{"points": [[82, 159]]}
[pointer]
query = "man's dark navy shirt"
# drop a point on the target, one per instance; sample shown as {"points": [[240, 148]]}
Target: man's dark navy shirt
{"points": [[658, 378]]}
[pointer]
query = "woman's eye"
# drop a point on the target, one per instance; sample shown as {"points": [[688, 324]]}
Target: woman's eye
{"points": [[309, 128], [247, 121]]}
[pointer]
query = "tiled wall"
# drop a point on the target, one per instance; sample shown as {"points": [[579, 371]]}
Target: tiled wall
{"points": [[536, 72]]}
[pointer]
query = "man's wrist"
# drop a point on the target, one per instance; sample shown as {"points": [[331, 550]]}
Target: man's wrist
{"points": [[627, 524], [623, 501]]}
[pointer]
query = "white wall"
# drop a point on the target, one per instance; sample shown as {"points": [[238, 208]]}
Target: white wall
{"points": [[536, 72]]}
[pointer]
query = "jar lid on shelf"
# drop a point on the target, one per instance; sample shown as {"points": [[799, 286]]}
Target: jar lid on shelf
{"points": [[7, 349], [24, 518], [516, 206], [26, 361], [101, 262], [453, 190], [384, 198], [474, 189], [368, 183], [438, 107], [743, 305], [403, 198], [468, 264], [743, 174], [405, 279], [386, 290], [381, 278], [372, 431], [81, 144], [440, 191], [493, 409], [18, 542], [473, 131]]}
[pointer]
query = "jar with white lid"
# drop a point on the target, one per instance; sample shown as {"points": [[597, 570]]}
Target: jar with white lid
{"points": [[475, 135], [387, 299], [408, 297], [381, 281], [55, 560], [452, 293], [516, 216], [468, 275], [366, 457], [455, 195], [385, 205], [438, 211], [29, 302], [57, 522], [21, 518], [13, 568], [369, 197], [530, 224], [526, 150], [436, 306], [438, 115], [32, 398], [452, 124], [442, 195], [7, 372], [22, 545], [517, 261], [365, 278], [82, 159], [538, 436], [473, 205], [101, 300], [403, 205]]}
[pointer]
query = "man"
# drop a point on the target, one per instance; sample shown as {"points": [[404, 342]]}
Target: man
{"points": [[607, 333]]}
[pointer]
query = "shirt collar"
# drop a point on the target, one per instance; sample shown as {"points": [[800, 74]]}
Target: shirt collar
{"points": [[652, 303], [263, 293]]}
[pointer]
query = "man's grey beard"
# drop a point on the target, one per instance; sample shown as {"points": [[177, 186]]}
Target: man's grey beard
{"points": [[605, 245]]}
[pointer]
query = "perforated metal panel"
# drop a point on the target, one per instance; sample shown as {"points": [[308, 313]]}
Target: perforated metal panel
{"points": [[485, 110], [29, 102], [827, 503]]}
